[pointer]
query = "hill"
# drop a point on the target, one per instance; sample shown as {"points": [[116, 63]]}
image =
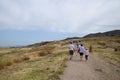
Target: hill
{"points": [[47, 60], [108, 33], [72, 38]]}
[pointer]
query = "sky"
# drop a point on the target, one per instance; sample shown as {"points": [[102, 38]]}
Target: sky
{"points": [[24, 22]]}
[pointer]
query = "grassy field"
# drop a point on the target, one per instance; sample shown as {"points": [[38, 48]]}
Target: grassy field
{"points": [[47, 67], [47, 62], [105, 47]]}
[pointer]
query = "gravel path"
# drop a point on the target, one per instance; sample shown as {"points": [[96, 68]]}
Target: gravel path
{"points": [[94, 69]]}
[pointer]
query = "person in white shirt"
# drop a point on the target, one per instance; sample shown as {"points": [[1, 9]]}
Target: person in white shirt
{"points": [[71, 50], [81, 51], [86, 54]]}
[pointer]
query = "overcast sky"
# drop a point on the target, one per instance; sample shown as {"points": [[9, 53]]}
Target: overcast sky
{"points": [[58, 18]]}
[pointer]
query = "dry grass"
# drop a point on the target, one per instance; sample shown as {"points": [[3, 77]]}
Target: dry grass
{"points": [[11, 56], [47, 62], [46, 68], [104, 47], [35, 63]]}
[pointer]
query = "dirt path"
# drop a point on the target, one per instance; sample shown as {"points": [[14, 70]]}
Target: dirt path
{"points": [[94, 69]]}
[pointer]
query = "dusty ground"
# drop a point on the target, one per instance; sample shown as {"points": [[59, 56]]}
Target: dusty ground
{"points": [[94, 69]]}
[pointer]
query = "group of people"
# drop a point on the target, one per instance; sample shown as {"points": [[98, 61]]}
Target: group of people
{"points": [[80, 49]]}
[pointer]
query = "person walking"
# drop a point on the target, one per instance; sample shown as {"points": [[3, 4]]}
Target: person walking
{"points": [[86, 54], [71, 50], [81, 51]]}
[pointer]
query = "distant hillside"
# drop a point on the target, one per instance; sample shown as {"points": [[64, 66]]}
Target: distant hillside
{"points": [[108, 33], [72, 38], [39, 44]]}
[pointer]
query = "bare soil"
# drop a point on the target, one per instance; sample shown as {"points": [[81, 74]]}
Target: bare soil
{"points": [[95, 68]]}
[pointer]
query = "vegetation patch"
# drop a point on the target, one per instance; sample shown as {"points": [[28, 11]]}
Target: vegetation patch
{"points": [[43, 68]]}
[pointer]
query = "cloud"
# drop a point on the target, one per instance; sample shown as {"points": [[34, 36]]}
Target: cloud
{"points": [[74, 16]]}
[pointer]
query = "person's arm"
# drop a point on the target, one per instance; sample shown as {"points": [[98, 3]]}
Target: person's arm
{"points": [[84, 51], [78, 50]]}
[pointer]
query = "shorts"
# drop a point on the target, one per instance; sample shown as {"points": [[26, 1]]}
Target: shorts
{"points": [[71, 52], [81, 54]]}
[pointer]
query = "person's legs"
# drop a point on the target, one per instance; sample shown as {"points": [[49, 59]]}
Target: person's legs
{"points": [[86, 57], [81, 56], [71, 54]]}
